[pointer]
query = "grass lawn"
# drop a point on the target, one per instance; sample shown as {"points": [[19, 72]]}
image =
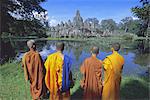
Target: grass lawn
{"points": [[13, 86]]}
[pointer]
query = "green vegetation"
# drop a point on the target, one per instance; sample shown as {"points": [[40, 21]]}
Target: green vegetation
{"points": [[108, 24], [66, 39], [21, 18], [13, 85], [135, 88], [142, 12], [18, 18]]}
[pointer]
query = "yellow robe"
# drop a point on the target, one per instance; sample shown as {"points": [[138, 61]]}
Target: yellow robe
{"points": [[53, 78], [113, 65]]}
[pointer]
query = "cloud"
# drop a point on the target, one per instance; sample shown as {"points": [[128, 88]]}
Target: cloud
{"points": [[53, 21], [41, 15], [135, 18]]}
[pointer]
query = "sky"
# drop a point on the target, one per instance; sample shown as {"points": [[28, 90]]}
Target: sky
{"points": [[63, 10]]}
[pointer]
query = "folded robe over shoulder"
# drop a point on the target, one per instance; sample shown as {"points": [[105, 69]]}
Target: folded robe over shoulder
{"points": [[113, 65], [34, 71], [67, 76], [57, 73]]}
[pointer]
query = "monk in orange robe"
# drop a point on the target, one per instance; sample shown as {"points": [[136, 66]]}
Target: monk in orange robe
{"points": [[113, 65], [92, 76], [34, 71], [58, 74]]}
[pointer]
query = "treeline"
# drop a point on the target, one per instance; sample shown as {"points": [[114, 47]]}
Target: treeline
{"points": [[143, 13], [18, 19], [139, 26]]}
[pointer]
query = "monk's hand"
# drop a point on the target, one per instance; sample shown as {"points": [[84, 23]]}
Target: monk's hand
{"points": [[103, 83], [82, 84]]}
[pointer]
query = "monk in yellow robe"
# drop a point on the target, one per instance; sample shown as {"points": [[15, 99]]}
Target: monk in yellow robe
{"points": [[34, 71], [113, 65], [92, 76], [58, 74]]}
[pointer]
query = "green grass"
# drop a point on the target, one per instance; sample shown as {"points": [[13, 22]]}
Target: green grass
{"points": [[135, 88], [12, 83], [14, 87]]}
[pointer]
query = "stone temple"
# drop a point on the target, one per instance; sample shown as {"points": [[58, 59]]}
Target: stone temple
{"points": [[77, 28]]}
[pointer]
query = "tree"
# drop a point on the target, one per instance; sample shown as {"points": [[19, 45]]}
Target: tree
{"points": [[93, 21], [17, 16], [143, 13], [126, 23], [129, 25], [134, 27], [108, 24]]}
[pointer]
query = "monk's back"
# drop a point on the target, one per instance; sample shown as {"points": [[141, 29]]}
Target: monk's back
{"points": [[32, 60], [113, 65], [92, 68], [117, 63], [34, 70]]}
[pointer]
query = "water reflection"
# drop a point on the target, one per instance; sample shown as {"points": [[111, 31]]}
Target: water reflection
{"points": [[142, 52], [136, 56]]}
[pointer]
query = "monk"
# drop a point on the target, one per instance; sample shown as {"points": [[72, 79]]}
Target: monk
{"points": [[92, 76], [58, 77], [34, 71], [113, 65]]}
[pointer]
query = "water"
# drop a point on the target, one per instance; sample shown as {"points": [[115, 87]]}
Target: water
{"points": [[78, 51]]}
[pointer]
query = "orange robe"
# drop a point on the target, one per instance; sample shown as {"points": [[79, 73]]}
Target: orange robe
{"points": [[113, 65], [53, 78], [34, 71], [92, 79]]}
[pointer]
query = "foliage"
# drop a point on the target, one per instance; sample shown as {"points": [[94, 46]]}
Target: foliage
{"points": [[126, 22], [129, 25], [18, 18], [93, 21], [108, 24], [128, 36], [143, 13]]}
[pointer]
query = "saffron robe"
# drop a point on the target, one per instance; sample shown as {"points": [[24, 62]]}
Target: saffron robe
{"points": [[57, 75], [113, 65], [34, 72], [92, 78]]}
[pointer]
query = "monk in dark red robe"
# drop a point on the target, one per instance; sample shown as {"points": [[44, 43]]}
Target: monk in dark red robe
{"points": [[34, 71], [92, 79]]}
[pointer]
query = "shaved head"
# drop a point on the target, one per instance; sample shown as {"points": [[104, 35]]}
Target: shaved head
{"points": [[116, 46], [30, 43], [95, 50], [60, 46]]}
